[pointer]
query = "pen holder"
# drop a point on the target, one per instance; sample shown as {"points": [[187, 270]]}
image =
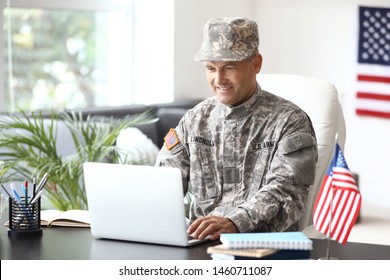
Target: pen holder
{"points": [[24, 219]]}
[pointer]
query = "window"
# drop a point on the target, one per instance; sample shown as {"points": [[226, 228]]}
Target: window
{"points": [[91, 53]]}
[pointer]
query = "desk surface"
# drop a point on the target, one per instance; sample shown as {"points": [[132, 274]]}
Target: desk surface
{"points": [[60, 243]]}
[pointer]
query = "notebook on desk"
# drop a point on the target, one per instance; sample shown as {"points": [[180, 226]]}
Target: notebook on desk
{"points": [[136, 203]]}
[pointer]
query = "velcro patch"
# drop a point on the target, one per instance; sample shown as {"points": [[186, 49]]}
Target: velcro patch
{"points": [[296, 142], [171, 139]]}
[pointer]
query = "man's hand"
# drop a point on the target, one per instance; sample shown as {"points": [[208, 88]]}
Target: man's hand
{"points": [[211, 226]]}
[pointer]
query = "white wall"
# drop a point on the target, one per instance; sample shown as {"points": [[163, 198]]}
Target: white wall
{"points": [[316, 38]]}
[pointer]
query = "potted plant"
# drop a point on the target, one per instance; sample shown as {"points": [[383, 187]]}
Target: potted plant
{"points": [[28, 149]]}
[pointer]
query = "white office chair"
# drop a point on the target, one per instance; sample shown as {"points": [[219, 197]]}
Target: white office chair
{"points": [[320, 100]]}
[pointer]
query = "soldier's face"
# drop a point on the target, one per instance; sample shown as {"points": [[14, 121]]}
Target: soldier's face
{"points": [[233, 83]]}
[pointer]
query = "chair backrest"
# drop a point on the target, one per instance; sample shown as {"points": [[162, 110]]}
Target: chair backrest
{"points": [[320, 100]]}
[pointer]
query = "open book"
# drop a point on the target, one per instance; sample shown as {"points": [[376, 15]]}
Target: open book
{"points": [[70, 218], [220, 249]]}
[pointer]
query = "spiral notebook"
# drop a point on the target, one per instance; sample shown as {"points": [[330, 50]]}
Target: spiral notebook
{"points": [[288, 240]]}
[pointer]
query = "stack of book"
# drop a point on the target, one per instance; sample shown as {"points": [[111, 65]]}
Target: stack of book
{"points": [[267, 245]]}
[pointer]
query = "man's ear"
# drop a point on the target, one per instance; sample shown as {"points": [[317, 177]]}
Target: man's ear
{"points": [[257, 62]]}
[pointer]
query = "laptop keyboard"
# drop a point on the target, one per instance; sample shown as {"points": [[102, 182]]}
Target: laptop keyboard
{"points": [[190, 237]]}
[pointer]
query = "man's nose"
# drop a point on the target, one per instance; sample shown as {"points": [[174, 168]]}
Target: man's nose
{"points": [[219, 77]]}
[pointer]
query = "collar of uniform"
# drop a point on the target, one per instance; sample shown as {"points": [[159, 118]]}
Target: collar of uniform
{"points": [[241, 110]]}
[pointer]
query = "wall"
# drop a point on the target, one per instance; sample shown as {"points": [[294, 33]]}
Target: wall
{"points": [[319, 38], [316, 38]]}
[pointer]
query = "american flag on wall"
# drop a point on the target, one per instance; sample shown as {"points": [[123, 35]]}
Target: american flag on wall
{"points": [[373, 77]]}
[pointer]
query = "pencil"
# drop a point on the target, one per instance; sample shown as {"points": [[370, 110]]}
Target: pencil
{"points": [[7, 192]]}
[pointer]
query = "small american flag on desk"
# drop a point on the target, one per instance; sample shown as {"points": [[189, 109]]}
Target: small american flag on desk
{"points": [[373, 77], [338, 203]]}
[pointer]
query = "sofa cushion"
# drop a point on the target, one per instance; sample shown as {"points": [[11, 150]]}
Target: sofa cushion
{"points": [[135, 147]]}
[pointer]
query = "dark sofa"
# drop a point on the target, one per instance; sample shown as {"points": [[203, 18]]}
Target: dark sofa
{"points": [[168, 115]]}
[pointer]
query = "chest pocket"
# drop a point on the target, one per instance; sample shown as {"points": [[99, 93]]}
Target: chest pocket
{"points": [[203, 172], [260, 168]]}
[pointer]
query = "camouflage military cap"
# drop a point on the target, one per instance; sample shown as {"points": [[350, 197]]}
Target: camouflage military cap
{"points": [[228, 39]]}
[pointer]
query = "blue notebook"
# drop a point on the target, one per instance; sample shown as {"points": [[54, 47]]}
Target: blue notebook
{"points": [[278, 255], [291, 240]]}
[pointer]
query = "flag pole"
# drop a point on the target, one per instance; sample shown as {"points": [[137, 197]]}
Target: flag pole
{"points": [[331, 203], [330, 224], [336, 140]]}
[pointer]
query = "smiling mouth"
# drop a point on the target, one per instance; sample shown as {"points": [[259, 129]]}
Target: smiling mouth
{"points": [[224, 88]]}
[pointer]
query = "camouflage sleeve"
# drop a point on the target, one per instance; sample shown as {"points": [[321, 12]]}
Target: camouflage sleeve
{"points": [[280, 202], [177, 156]]}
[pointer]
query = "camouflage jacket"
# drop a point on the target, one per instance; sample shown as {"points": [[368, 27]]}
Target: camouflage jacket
{"points": [[252, 163]]}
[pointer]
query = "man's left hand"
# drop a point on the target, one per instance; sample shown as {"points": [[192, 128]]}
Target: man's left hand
{"points": [[211, 226]]}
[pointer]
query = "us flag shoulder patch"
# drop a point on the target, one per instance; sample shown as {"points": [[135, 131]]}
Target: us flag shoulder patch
{"points": [[171, 139]]}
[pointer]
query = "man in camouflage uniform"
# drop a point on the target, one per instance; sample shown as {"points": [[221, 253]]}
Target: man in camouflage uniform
{"points": [[248, 156]]}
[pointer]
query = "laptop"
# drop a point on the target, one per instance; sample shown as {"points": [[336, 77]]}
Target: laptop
{"points": [[137, 203]]}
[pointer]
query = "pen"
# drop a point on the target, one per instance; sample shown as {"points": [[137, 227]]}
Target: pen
{"points": [[25, 192], [40, 185], [34, 186], [42, 182], [19, 200], [38, 195], [11, 197], [16, 195]]}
